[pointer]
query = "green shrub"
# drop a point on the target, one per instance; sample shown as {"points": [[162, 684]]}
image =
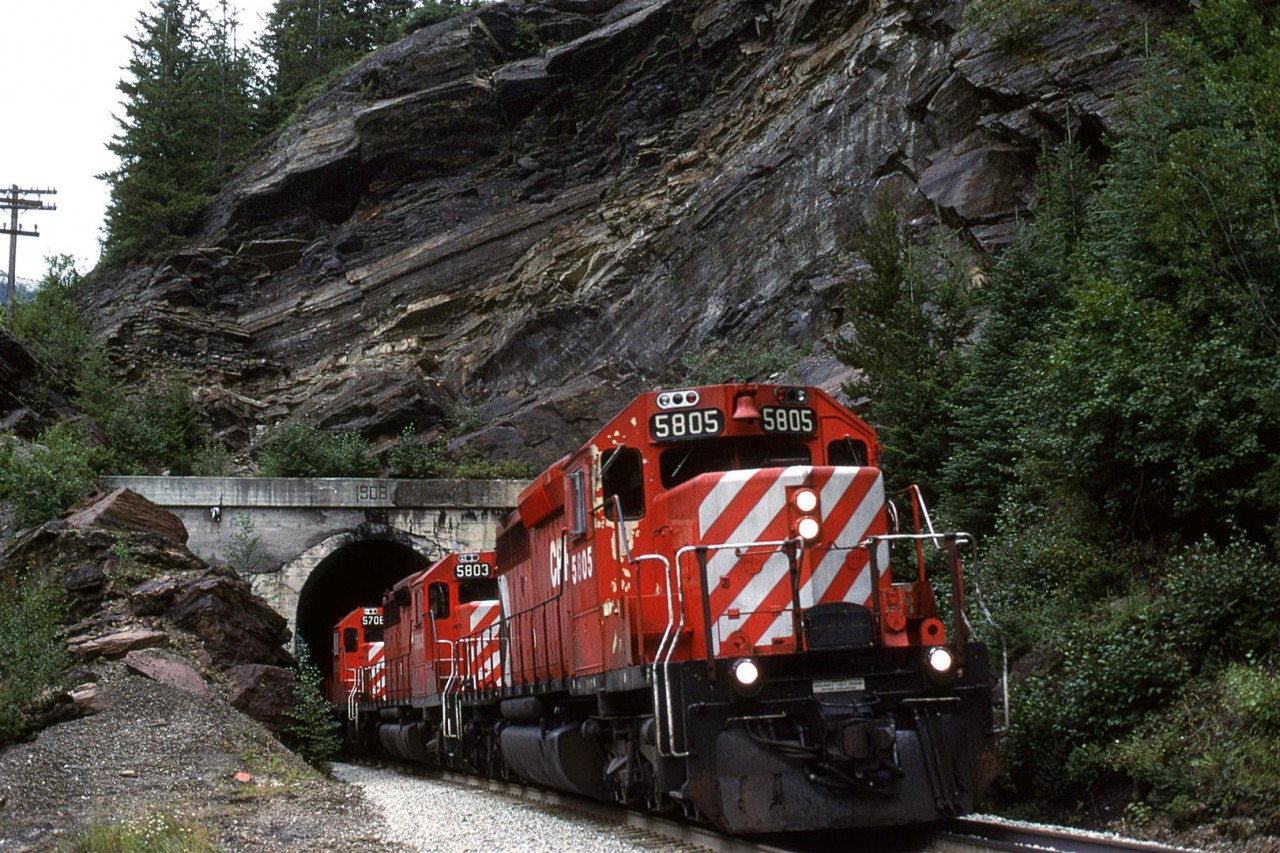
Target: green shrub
{"points": [[211, 459], [42, 479], [1114, 671], [1215, 754], [737, 362], [314, 731], [1213, 604], [245, 552], [50, 325], [1040, 569], [34, 653], [413, 459], [478, 468], [299, 450], [1013, 24], [155, 429]]}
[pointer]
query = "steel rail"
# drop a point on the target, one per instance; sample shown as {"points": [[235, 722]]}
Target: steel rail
{"points": [[967, 834]]}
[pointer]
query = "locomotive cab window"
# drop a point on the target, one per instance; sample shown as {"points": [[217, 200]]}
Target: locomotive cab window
{"points": [[577, 502], [680, 464], [373, 633], [847, 451], [622, 477], [438, 600], [477, 589], [350, 640]]}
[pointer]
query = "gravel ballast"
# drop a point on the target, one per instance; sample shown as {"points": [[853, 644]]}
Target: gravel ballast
{"points": [[428, 814]]}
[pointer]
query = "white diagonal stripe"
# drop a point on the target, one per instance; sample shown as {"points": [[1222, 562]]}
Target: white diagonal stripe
{"points": [[749, 529], [825, 572]]}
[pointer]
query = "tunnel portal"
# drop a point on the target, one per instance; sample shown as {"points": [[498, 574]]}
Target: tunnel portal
{"points": [[355, 575]]}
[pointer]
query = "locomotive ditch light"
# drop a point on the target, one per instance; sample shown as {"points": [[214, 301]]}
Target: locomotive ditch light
{"points": [[808, 528], [806, 500], [940, 662], [746, 676]]}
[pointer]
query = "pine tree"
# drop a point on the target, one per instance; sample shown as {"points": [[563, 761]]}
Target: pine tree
{"points": [[306, 40], [188, 117]]}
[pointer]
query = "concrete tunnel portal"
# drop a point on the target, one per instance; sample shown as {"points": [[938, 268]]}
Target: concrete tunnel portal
{"points": [[355, 575], [325, 546]]}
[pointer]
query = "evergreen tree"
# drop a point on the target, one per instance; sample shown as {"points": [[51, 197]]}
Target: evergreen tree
{"points": [[306, 40], [233, 76], [187, 118], [911, 316]]}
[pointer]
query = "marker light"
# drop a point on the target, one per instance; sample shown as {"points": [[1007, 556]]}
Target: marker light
{"points": [[806, 501], [677, 399], [808, 528], [940, 660], [746, 672]]}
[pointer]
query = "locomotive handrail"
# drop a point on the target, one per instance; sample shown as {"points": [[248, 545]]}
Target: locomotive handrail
{"points": [[956, 539], [453, 732], [356, 689], [619, 523], [662, 693]]}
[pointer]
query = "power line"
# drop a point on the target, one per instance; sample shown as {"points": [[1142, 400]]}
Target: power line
{"points": [[15, 202]]}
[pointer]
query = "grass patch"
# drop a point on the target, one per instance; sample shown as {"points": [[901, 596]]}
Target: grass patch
{"points": [[154, 833]]}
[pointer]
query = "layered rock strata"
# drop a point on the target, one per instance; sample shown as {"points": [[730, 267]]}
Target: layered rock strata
{"points": [[541, 208]]}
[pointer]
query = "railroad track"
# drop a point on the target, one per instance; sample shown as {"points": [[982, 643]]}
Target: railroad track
{"points": [[976, 834], [966, 835]]}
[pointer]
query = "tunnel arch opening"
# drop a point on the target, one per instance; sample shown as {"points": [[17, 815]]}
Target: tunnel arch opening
{"points": [[354, 575]]}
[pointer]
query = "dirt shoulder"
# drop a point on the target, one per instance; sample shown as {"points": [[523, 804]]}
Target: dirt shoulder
{"points": [[157, 750]]}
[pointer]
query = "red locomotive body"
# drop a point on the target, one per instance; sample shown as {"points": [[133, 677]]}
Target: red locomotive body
{"points": [[700, 614], [356, 670], [441, 639]]}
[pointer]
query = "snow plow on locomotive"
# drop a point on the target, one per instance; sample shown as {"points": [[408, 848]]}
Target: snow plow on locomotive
{"points": [[697, 612]]}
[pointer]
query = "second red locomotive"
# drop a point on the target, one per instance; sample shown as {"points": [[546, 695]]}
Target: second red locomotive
{"points": [[697, 612]]}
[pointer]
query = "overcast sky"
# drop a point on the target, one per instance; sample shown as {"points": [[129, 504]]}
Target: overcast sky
{"points": [[62, 61]]}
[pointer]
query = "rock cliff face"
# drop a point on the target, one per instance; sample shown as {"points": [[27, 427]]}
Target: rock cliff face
{"points": [[540, 208]]}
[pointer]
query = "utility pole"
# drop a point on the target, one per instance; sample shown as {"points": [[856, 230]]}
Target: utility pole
{"points": [[15, 202]]}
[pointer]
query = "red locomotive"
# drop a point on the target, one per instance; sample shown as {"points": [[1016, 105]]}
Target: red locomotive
{"points": [[356, 667], [699, 614]]}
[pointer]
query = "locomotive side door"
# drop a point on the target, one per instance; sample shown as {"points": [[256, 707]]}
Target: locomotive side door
{"points": [[586, 616]]}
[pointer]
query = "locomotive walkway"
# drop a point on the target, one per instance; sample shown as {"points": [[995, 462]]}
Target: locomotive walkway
{"points": [[317, 548]]}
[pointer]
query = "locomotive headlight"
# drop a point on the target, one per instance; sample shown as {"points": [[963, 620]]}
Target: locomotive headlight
{"points": [[806, 500], [940, 661], [746, 676], [808, 528]]}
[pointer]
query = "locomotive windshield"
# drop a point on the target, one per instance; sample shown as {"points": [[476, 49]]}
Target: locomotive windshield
{"points": [[477, 589], [681, 464]]}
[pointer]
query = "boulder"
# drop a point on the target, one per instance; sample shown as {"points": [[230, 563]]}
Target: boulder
{"points": [[125, 509], [263, 692], [114, 645], [168, 668], [235, 626]]}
